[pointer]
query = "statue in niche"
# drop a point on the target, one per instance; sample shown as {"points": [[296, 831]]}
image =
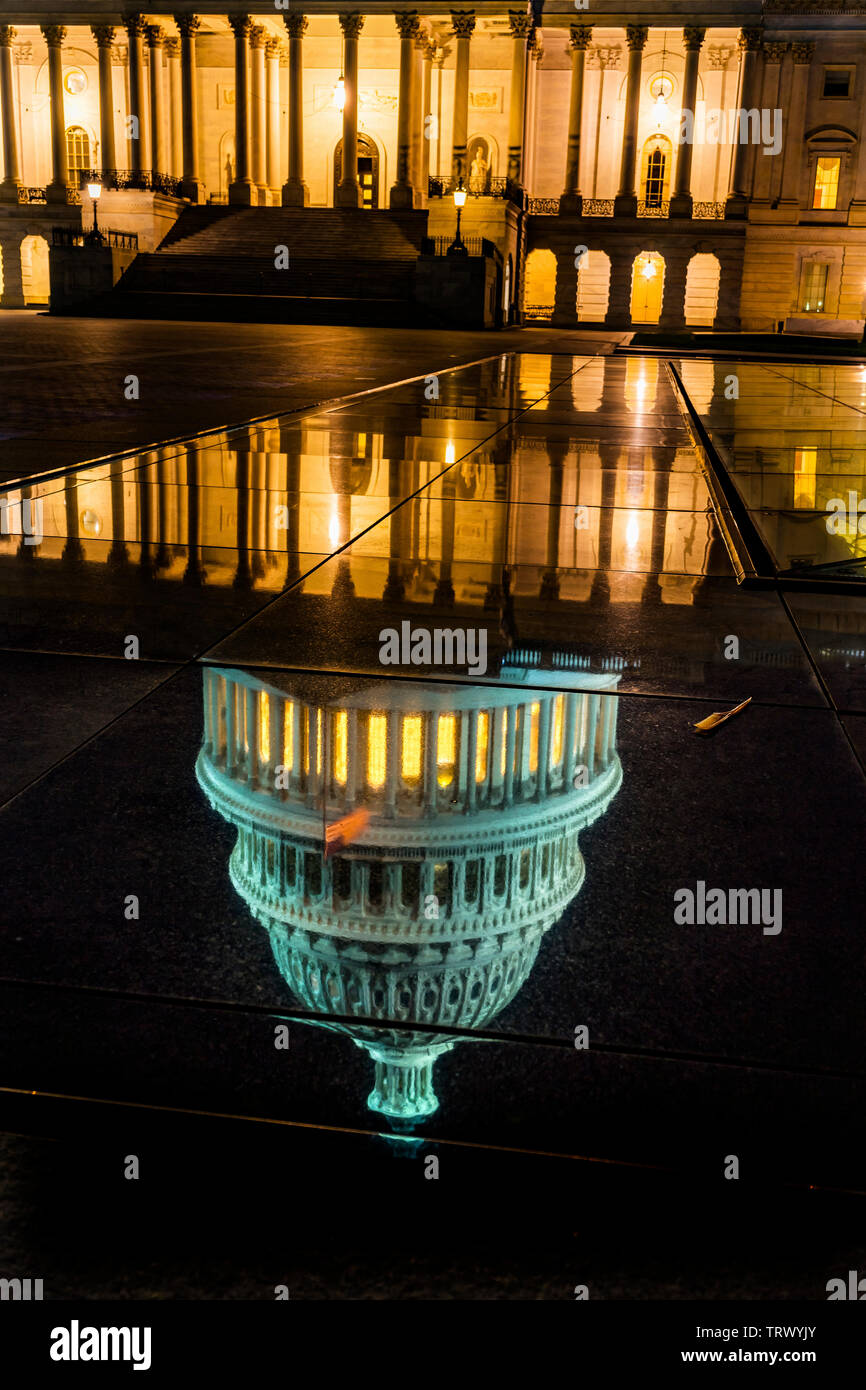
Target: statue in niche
{"points": [[479, 167]]}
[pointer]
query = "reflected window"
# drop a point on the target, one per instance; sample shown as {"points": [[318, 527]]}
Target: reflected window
{"points": [[534, 715], [446, 749], [410, 755], [503, 750], [805, 478], [481, 746], [377, 743], [264, 726], [826, 189], [341, 747], [558, 731], [289, 735]]}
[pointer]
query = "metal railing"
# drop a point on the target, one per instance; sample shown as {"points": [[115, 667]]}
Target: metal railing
{"points": [[597, 207], [71, 236], [538, 311], [475, 245], [37, 196], [143, 180], [485, 188], [543, 207], [660, 208], [714, 212]]}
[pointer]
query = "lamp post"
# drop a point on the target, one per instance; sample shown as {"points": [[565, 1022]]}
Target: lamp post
{"points": [[458, 246], [95, 192]]}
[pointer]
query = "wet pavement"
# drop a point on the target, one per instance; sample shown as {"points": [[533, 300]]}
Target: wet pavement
{"points": [[376, 726]]}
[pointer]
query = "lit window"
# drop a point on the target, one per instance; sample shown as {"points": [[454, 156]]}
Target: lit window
{"points": [[826, 182], [805, 478], [77, 150], [341, 747], [446, 749], [503, 750], [264, 726], [313, 741], [558, 729], [813, 287], [533, 737], [481, 746], [837, 82], [288, 735], [410, 758], [377, 743]]}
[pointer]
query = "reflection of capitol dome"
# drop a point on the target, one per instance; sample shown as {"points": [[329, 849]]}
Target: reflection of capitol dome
{"points": [[435, 912]]}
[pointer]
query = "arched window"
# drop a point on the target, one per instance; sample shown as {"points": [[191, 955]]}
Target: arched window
{"points": [[656, 171], [77, 151]]}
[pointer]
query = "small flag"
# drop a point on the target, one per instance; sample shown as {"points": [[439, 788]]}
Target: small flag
{"points": [[343, 831]]}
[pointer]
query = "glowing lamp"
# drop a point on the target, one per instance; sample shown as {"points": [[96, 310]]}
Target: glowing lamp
{"points": [[339, 98]]}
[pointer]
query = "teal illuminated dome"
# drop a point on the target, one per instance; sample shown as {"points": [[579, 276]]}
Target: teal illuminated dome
{"points": [[473, 798]]}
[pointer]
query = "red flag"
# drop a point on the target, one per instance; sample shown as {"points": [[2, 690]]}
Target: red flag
{"points": [[343, 831]]}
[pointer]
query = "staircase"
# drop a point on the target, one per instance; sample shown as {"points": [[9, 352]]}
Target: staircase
{"points": [[344, 266]]}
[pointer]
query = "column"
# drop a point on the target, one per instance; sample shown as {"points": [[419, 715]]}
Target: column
{"points": [[57, 189], [565, 291], [155, 40], [521, 26], [175, 108], [681, 202], [349, 190], [463, 22], [625, 204], [295, 191], [11, 165], [258, 124], [191, 186], [749, 43], [408, 27], [241, 190], [801, 55], [426, 132], [272, 55], [135, 27], [571, 200], [104, 36], [677, 256], [194, 574]]}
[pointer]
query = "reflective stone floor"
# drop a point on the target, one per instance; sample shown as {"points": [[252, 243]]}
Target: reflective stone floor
{"points": [[351, 794]]}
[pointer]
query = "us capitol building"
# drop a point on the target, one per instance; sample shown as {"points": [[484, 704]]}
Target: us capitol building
{"points": [[433, 909], [562, 125]]}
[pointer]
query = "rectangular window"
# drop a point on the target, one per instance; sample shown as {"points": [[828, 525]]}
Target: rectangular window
{"points": [[805, 478], [813, 287], [837, 82], [826, 182]]}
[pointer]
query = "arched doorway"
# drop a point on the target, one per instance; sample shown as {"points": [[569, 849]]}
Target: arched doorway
{"points": [[647, 284], [368, 170], [539, 284], [702, 289], [593, 287], [655, 177], [34, 270]]}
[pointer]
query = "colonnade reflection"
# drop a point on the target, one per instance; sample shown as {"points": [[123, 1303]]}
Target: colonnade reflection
{"points": [[466, 852]]}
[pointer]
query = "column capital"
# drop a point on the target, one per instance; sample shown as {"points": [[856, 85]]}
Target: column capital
{"points": [[520, 24], [463, 23], [579, 36], [54, 34], [7, 35], [172, 48], [429, 48], [241, 25], [135, 25], [636, 37], [774, 52], [297, 25], [103, 34], [273, 48], [408, 24], [749, 40], [257, 36], [351, 23], [155, 36], [188, 24], [802, 52], [693, 38]]}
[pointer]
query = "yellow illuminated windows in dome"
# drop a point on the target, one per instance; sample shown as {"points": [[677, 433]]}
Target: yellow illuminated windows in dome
{"points": [[503, 750], [264, 726], [534, 713], [341, 747], [446, 749], [481, 745], [288, 735], [377, 745], [410, 758], [313, 741], [558, 730]]}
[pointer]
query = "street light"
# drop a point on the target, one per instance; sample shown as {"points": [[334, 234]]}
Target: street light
{"points": [[458, 246], [95, 192]]}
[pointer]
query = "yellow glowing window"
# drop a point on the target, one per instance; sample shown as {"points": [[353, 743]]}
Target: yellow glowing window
{"points": [[826, 182], [446, 749], [481, 746], [533, 737], [288, 735], [805, 478], [313, 740], [558, 730], [264, 726], [503, 750], [410, 757], [377, 744], [241, 707], [341, 747]]}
